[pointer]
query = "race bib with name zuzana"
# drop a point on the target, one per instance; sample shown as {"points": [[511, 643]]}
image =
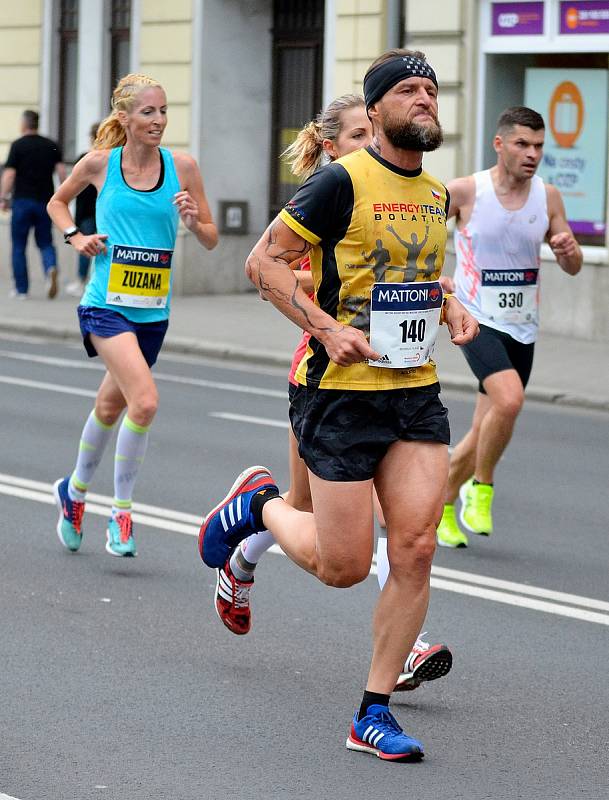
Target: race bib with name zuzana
{"points": [[139, 276], [404, 320]]}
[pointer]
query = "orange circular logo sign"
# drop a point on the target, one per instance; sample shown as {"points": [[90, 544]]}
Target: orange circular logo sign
{"points": [[566, 114], [571, 18]]}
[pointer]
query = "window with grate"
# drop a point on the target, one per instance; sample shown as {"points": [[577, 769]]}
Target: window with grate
{"points": [[68, 77], [120, 41], [298, 32]]}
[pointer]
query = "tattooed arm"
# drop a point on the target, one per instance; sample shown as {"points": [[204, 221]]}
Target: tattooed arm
{"points": [[268, 267]]}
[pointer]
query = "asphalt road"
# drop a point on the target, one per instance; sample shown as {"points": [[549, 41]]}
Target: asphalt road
{"points": [[118, 681]]}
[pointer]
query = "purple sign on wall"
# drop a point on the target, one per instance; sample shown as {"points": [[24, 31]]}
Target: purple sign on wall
{"points": [[585, 17], [517, 19]]}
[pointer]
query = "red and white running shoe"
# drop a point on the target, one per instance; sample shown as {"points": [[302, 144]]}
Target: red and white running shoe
{"points": [[426, 662], [233, 600]]}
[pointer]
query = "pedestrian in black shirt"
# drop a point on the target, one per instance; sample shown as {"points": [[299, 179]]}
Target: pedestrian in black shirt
{"points": [[84, 217], [28, 179]]}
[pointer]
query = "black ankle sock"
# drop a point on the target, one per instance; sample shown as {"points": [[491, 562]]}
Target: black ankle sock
{"points": [[372, 699], [479, 483], [257, 504]]}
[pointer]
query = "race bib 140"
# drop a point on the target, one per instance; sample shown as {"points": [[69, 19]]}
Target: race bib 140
{"points": [[404, 320]]}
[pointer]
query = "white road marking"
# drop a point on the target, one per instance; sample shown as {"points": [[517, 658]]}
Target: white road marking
{"points": [[7, 797], [53, 361], [48, 387], [468, 583], [165, 356], [279, 394], [522, 588], [271, 423], [154, 511]]}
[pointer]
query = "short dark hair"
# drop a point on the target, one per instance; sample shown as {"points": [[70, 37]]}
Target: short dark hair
{"points": [[30, 118], [397, 52], [519, 115]]}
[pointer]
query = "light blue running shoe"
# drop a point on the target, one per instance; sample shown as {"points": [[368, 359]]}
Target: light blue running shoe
{"points": [[69, 524], [119, 535], [379, 733]]}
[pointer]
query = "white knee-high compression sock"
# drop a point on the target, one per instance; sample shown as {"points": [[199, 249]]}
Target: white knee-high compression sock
{"points": [[130, 450], [93, 441]]}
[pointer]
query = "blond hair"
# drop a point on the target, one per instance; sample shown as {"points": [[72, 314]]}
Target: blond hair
{"points": [[306, 152], [110, 132]]}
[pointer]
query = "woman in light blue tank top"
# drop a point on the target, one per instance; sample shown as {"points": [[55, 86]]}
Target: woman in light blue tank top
{"points": [[143, 192]]}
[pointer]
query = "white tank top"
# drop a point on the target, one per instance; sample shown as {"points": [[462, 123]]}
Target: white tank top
{"points": [[498, 261]]}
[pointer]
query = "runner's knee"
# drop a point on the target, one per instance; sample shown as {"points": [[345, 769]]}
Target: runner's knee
{"points": [[415, 552], [510, 405], [341, 575], [143, 407], [109, 409]]}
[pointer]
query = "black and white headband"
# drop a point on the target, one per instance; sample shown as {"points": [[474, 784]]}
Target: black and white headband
{"points": [[385, 76]]}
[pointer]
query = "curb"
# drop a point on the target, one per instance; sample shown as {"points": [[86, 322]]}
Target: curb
{"points": [[273, 358]]}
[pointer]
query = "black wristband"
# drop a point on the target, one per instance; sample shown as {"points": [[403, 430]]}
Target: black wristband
{"points": [[68, 235]]}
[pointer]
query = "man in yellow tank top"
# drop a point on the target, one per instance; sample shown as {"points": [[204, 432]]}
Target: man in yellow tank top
{"points": [[367, 408]]}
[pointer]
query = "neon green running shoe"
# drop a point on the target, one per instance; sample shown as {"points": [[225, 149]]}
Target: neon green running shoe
{"points": [[449, 534], [476, 502]]}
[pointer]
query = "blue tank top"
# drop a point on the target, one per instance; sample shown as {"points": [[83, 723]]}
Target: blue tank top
{"points": [[134, 276]]}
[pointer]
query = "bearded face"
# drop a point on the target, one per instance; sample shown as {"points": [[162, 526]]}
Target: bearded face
{"points": [[413, 135], [408, 115]]}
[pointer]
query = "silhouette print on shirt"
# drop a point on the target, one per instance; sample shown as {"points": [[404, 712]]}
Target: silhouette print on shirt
{"points": [[360, 306]]}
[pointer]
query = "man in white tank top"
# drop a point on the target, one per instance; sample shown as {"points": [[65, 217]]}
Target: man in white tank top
{"points": [[503, 216]]}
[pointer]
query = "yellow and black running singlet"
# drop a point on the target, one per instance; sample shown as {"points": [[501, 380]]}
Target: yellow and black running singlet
{"points": [[370, 222]]}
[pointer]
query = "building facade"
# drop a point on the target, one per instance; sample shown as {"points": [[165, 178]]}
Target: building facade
{"points": [[242, 76]]}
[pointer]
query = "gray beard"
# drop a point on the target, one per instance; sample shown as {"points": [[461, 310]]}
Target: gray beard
{"points": [[415, 137]]}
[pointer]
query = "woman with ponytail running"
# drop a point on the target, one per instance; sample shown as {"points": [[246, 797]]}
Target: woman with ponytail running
{"points": [[143, 191]]}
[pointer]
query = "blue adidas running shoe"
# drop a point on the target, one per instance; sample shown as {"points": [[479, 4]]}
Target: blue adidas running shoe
{"points": [[379, 733], [231, 520], [69, 524]]}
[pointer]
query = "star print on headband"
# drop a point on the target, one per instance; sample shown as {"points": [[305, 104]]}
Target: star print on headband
{"points": [[385, 76]]}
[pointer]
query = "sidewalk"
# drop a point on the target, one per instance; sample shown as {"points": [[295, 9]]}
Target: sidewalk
{"points": [[566, 371]]}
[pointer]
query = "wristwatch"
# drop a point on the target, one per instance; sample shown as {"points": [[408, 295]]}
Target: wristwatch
{"points": [[69, 232]]}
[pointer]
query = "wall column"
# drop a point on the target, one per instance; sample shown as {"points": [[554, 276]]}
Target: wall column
{"points": [[92, 93]]}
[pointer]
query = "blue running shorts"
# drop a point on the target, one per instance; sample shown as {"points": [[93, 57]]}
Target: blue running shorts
{"points": [[106, 323]]}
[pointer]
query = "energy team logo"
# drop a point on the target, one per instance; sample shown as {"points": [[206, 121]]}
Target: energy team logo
{"points": [[411, 212]]}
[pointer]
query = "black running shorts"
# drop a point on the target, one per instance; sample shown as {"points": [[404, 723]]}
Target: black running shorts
{"points": [[494, 351], [344, 435]]}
